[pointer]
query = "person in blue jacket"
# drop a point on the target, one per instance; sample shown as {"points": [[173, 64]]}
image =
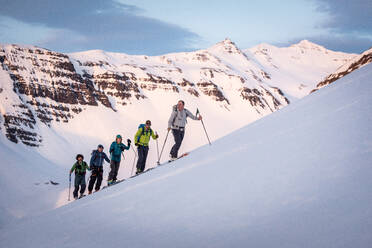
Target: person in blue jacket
{"points": [[96, 165], [116, 149]]}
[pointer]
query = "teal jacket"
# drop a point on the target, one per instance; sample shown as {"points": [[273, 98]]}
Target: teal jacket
{"points": [[116, 149]]}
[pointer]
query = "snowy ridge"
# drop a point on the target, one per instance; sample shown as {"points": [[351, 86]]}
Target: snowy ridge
{"points": [[357, 62], [312, 190], [297, 68]]}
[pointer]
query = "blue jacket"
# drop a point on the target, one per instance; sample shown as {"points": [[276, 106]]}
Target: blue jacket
{"points": [[116, 149], [97, 158]]}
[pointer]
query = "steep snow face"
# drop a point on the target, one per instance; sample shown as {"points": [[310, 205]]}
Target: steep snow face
{"points": [[300, 177], [298, 68], [357, 62]]}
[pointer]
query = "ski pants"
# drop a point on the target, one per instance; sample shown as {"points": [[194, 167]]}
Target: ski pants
{"points": [[79, 182], [97, 174], [178, 135], [142, 156], [114, 170]]}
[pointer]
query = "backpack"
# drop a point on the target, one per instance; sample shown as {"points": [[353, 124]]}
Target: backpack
{"points": [[175, 109], [143, 131], [94, 154]]}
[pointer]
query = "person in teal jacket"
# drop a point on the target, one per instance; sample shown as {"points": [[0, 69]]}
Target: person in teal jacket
{"points": [[116, 148]]}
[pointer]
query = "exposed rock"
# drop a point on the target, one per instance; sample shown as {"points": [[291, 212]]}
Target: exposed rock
{"points": [[211, 89]]}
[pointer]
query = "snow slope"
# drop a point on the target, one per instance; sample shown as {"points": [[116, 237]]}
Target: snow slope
{"points": [[68, 104], [25, 182], [300, 177]]}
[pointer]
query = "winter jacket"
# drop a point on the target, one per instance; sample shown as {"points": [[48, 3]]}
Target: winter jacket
{"points": [[178, 118], [142, 136], [97, 158], [116, 149], [80, 168]]}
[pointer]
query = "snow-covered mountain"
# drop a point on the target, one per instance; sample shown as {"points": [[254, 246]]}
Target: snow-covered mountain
{"points": [[297, 69], [56, 105], [300, 177], [357, 62], [44, 87]]}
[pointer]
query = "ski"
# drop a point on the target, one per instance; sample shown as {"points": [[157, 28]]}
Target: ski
{"points": [[114, 183], [183, 155], [78, 198], [137, 174]]}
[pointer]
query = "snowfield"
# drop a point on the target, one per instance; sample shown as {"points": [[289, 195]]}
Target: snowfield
{"points": [[300, 177], [245, 83]]}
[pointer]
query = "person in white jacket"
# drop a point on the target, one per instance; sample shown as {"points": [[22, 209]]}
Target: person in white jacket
{"points": [[177, 122]]}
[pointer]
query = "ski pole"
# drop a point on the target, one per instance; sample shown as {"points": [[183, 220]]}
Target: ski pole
{"points": [[166, 137], [157, 146], [89, 178], [134, 161], [205, 130], [69, 187]]}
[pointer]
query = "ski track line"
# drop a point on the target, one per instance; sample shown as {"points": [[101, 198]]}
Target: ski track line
{"points": [[160, 178]]}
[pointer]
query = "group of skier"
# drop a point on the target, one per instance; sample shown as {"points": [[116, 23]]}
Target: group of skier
{"points": [[176, 124]]}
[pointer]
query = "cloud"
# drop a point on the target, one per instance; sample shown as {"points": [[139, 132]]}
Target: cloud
{"points": [[347, 16], [347, 28], [98, 24]]}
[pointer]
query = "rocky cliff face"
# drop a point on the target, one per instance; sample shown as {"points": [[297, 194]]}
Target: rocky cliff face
{"points": [[42, 87], [354, 64], [48, 87]]}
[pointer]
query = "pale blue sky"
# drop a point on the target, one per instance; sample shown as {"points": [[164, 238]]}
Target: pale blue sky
{"points": [[246, 22], [163, 26]]}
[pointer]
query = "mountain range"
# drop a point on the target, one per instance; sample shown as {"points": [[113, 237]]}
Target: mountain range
{"points": [[42, 88]]}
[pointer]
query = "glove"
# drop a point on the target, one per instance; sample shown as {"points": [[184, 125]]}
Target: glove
{"points": [[169, 128], [136, 144], [129, 141], [156, 136]]}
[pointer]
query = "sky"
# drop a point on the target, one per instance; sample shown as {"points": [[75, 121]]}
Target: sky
{"points": [[166, 26]]}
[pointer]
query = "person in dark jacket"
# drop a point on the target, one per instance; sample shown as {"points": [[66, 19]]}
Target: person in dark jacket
{"points": [[96, 165], [116, 149], [80, 168]]}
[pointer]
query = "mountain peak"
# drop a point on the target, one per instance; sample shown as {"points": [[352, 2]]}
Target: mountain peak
{"points": [[306, 44], [227, 45]]}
